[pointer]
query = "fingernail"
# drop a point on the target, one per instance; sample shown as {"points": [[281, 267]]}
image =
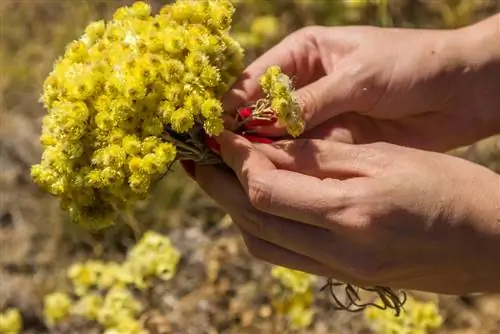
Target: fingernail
{"points": [[212, 144], [245, 112], [189, 167], [258, 139], [260, 122]]}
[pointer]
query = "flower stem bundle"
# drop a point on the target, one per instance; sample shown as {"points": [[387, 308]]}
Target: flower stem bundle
{"points": [[135, 94]]}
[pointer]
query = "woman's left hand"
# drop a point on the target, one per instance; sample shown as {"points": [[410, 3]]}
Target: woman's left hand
{"points": [[374, 214]]}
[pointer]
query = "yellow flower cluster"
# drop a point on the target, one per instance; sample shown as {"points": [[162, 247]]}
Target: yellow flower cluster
{"points": [[56, 307], [153, 256], [296, 301], [279, 92], [417, 318], [294, 280], [11, 322], [119, 311], [102, 288], [122, 94]]}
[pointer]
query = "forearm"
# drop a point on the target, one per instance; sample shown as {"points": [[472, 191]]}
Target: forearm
{"points": [[486, 205], [478, 51]]}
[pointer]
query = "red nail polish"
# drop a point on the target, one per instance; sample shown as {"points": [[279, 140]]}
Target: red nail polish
{"points": [[260, 122], [257, 139], [189, 167], [245, 112], [212, 144]]}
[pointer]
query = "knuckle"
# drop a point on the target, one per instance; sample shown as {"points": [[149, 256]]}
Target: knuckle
{"points": [[308, 101], [379, 155], [359, 216], [309, 32], [365, 84], [303, 146], [259, 193]]}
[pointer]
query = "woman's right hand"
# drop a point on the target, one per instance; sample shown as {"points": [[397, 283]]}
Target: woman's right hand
{"points": [[427, 89]]}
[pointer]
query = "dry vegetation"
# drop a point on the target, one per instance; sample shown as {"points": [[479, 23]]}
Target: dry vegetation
{"points": [[219, 288]]}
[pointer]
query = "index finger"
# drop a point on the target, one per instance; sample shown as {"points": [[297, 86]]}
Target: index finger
{"points": [[282, 193], [296, 55]]}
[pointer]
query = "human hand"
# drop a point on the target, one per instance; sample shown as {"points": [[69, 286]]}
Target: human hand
{"points": [[428, 89], [374, 214]]}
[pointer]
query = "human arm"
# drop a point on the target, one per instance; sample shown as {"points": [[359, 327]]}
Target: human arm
{"points": [[413, 87]]}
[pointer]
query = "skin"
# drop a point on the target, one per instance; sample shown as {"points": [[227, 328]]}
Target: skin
{"points": [[364, 196]]}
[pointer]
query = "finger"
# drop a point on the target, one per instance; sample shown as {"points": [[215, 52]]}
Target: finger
{"points": [[224, 188], [296, 55], [188, 166], [325, 159], [338, 250], [341, 91], [283, 193], [276, 255], [319, 101], [335, 129], [302, 238]]}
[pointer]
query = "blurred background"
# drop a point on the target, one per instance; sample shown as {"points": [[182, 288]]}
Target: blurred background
{"points": [[219, 288]]}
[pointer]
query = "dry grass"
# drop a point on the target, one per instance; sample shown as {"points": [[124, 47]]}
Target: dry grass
{"points": [[219, 288]]}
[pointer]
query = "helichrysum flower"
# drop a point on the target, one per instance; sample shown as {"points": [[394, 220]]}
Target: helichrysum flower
{"points": [[279, 91], [127, 325], [417, 317], [103, 291], [11, 322], [153, 256], [88, 306], [296, 300], [56, 307], [123, 82], [84, 276], [138, 78], [295, 280], [119, 304]]}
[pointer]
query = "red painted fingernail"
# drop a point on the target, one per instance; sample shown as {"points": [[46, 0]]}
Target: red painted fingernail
{"points": [[245, 112], [257, 139], [260, 122], [189, 168], [212, 144]]}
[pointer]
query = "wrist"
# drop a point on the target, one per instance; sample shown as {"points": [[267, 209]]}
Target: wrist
{"points": [[477, 53]]}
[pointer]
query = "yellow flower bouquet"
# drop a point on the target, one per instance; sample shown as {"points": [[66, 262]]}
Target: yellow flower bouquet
{"points": [[135, 94]]}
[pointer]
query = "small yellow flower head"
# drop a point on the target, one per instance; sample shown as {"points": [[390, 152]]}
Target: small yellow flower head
{"points": [[153, 256], [119, 304], [278, 89], [417, 317], [297, 281], [299, 310], [88, 306], [85, 275], [56, 307], [11, 322], [123, 81], [296, 301]]}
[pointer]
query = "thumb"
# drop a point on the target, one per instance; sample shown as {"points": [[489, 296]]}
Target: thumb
{"points": [[327, 97]]}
